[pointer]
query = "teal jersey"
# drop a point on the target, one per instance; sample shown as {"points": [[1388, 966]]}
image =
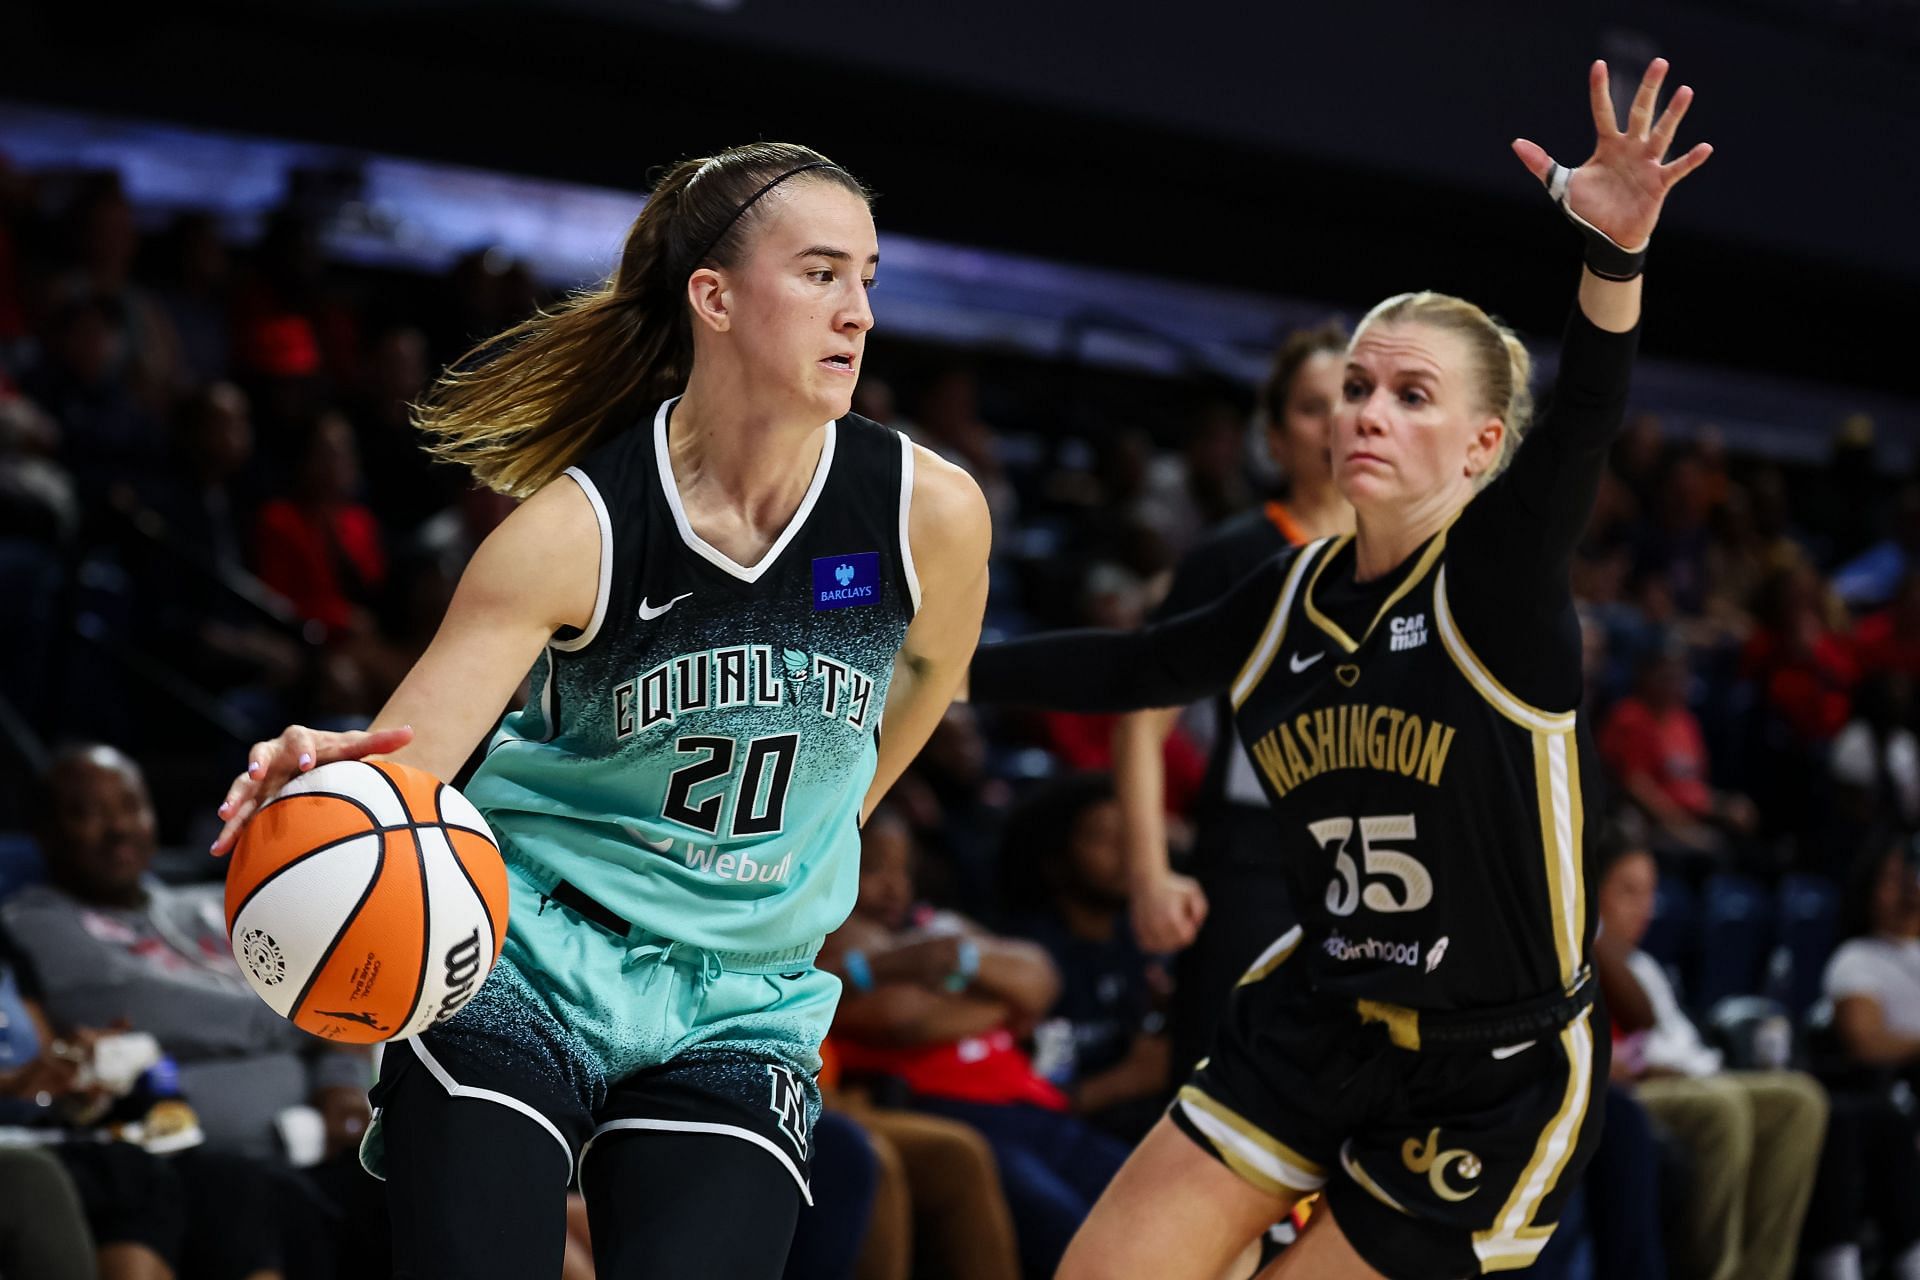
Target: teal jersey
{"points": [[695, 759]]}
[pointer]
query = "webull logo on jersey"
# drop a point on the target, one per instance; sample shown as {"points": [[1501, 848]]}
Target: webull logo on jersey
{"points": [[1346, 950], [745, 675], [845, 582], [741, 867], [1354, 736]]}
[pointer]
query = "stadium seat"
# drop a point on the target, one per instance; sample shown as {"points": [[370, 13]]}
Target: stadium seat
{"points": [[1734, 933], [1807, 915]]}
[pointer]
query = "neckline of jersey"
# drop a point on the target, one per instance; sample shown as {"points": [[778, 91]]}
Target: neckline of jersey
{"points": [[706, 550], [1421, 567]]}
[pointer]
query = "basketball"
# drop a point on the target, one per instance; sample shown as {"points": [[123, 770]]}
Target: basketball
{"points": [[367, 901]]}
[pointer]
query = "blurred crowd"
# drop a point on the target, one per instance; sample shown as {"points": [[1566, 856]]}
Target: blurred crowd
{"points": [[215, 520]]}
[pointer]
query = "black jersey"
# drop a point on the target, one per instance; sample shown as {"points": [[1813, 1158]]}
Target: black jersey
{"points": [[1416, 734], [1432, 822]]}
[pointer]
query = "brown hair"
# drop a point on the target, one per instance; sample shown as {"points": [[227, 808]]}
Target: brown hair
{"points": [[1503, 367], [1300, 346], [521, 407]]}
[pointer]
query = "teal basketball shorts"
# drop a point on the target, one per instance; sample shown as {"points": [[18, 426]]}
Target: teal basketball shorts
{"points": [[589, 1026]]}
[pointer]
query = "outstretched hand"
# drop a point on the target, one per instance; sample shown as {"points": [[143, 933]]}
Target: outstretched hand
{"points": [[1620, 187], [271, 765]]}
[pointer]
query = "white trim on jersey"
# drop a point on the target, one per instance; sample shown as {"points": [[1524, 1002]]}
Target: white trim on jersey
{"points": [[698, 1126], [1276, 628], [906, 505], [592, 628], [698, 545], [458, 1090]]}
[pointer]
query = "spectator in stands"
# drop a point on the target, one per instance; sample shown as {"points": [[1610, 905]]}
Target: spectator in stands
{"points": [[107, 435], [955, 809], [1755, 1136], [1066, 879], [1873, 981], [939, 1005], [1674, 543], [1653, 744], [319, 547], [1876, 761], [1191, 492], [104, 244], [195, 273], [1873, 978], [1889, 639], [290, 319], [405, 485], [190, 567], [949, 423], [1802, 666], [110, 944], [1874, 576], [82, 1194]]}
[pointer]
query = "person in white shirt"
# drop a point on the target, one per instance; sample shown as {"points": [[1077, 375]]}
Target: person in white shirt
{"points": [[1755, 1136], [1873, 978]]}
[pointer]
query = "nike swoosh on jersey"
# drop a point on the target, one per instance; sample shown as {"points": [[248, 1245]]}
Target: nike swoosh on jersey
{"points": [[658, 846], [1298, 666], [649, 612]]}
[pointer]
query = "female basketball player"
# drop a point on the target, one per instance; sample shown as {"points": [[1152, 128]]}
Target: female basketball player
{"points": [[1235, 900], [1423, 1046], [720, 578]]}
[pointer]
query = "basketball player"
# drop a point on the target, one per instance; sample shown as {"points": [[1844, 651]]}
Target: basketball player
{"points": [[1235, 901], [1423, 1044], [720, 579]]}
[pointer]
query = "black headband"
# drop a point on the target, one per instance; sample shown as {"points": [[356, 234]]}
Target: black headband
{"points": [[727, 226]]}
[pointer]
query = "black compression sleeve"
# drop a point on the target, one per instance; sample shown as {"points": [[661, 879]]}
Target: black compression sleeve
{"points": [[1510, 553], [1166, 664]]}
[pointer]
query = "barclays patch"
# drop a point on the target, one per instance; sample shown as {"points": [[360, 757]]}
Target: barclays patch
{"points": [[846, 582]]}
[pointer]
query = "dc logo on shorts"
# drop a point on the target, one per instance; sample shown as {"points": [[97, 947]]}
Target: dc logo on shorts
{"points": [[846, 582], [789, 1103]]}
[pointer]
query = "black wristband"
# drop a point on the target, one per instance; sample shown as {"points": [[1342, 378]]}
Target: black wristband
{"points": [[1605, 258]]}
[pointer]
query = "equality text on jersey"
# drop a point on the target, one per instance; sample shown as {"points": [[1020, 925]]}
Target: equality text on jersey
{"points": [[747, 675], [1355, 735]]}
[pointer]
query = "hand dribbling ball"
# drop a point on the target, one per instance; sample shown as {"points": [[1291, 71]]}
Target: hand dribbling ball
{"points": [[367, 901]]}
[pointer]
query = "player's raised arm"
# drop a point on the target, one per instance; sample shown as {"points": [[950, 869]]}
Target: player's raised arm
{"points": [[1616, 194]]}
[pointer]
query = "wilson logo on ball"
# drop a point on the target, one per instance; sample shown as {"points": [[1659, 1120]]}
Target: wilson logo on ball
{"points": [[367, 901]]}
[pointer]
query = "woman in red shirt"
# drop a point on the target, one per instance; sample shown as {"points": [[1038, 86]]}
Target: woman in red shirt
{"points": [[320, 548]]}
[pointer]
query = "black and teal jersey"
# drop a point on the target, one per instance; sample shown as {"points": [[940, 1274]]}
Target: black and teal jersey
{"points": [[695, 758]]}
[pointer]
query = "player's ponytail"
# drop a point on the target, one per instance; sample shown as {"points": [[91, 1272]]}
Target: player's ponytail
{"points": [[1503, 368], [521, 407]]}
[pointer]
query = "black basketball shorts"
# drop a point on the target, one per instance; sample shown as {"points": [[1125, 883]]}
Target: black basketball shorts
{"points": [[1436, 1163]]}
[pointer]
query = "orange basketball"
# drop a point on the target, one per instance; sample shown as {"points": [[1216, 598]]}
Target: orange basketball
{"points": [[366, 901]]}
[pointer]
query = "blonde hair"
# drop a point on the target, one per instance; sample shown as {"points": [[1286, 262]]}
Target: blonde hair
{"points": [[1502, 368], [520, 408]]}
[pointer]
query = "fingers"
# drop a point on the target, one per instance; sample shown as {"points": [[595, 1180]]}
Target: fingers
{"points": [[360, 744], [1532, 155], [1669, 122], [271, 765], [1640, 115], [1674, 170], [1605, 123]]}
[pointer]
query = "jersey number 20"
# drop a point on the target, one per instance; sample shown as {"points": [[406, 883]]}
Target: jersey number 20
{"points": [[753, 814], [1345, 894]]}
